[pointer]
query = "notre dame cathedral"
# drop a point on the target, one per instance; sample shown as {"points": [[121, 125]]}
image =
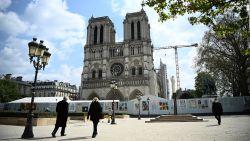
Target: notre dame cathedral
{"points": [[129, 63]]}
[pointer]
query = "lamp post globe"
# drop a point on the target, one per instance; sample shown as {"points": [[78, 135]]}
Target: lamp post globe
{"points": [[39, 56]]}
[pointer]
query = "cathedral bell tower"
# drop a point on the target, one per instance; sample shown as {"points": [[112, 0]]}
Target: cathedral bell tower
{"points": [[130, 62], [100, 32], [136, 26]]}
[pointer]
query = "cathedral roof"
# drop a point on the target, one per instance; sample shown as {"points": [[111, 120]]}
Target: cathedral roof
{"points": [[136, 14], [100, 19]]}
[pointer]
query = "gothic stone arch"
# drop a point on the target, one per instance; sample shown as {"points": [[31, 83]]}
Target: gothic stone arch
{"points": [[92, 95], [115, 94], [134, 94]]}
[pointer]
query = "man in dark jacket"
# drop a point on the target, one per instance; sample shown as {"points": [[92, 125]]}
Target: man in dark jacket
{"points": [[95, 113], [217, 110], [62, 116]]}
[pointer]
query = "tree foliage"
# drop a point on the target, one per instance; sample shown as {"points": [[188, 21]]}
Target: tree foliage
{"points": [[204, 84], [225, 58], [188, 94], [203, 11], [8, 91], [225, 47], [207, 10]]}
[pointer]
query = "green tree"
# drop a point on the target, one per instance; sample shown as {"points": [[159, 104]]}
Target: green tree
{"points": [[225, 58], [188, 94], [193, 94], [205, 12], [8, 91], [204, 84], [230, 38]]}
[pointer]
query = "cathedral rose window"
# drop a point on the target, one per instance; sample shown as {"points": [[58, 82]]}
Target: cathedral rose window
{"points": [[116, 69]]}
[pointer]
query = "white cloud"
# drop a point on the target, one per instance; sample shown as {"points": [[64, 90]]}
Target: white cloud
{"points": [[14, 56], [126, 6], [4, 4], [187, 71], [61, 30], [50, 20], [115, 6], [64, 73], [11, 24], [187, 80]]}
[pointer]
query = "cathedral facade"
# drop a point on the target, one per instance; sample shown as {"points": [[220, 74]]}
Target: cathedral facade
{"points": [[128, 63]]}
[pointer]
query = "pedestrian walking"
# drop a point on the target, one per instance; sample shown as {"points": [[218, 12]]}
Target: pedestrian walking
{"points": [[217, 110], [62, 116], [95, 113]]}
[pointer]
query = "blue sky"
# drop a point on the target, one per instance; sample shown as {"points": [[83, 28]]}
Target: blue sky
{"points": [[62, 25]]}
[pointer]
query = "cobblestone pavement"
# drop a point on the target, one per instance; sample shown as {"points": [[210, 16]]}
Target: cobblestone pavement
{"points": [[233, 128]]}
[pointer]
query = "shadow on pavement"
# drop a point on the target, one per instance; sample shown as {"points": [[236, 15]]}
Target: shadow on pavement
{"points": [[10, 139], [39, 138], [76, 138], [212, 125]]}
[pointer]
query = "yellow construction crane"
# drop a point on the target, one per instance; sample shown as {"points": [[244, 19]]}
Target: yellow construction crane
{"points": [[176, 58]]}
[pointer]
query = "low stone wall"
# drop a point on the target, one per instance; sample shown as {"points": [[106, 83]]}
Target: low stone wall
{"points": [[22, 121]]}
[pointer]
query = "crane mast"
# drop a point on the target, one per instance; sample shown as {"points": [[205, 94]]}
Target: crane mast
{"points": [[176, 58]]}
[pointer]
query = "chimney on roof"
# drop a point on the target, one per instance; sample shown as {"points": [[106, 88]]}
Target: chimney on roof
{"points": [[19, 78], [8, 76]]}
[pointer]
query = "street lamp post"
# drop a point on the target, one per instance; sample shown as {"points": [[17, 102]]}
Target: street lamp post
{"points": [[139, 100], [113, 85], [148, 99], [175, 103], [39, 56]]}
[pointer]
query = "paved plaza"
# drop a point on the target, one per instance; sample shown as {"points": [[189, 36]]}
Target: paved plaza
{"points": [[233, 128]]}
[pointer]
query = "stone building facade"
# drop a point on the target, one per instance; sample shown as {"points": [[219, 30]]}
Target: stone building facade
{"points": [[129, 63], [44, 88], [163, 81], [24, 87], [56, 89]]}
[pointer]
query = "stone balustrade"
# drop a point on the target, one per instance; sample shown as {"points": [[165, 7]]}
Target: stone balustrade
{"points": [[121, 83]]}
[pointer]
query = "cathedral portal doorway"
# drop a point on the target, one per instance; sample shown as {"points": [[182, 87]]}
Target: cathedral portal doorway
{"points": [[115, 94]]}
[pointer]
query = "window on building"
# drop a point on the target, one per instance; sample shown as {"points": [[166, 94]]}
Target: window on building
{"points": [[140, 70], [101, 35], [110, 53], [93, 54], [95, 35], [139, 50], [132, 31], [138, 30], [100, 74], [120, 52], [100, 52], [114, 52], [132, 50], [133, 71], [93, 74]]}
